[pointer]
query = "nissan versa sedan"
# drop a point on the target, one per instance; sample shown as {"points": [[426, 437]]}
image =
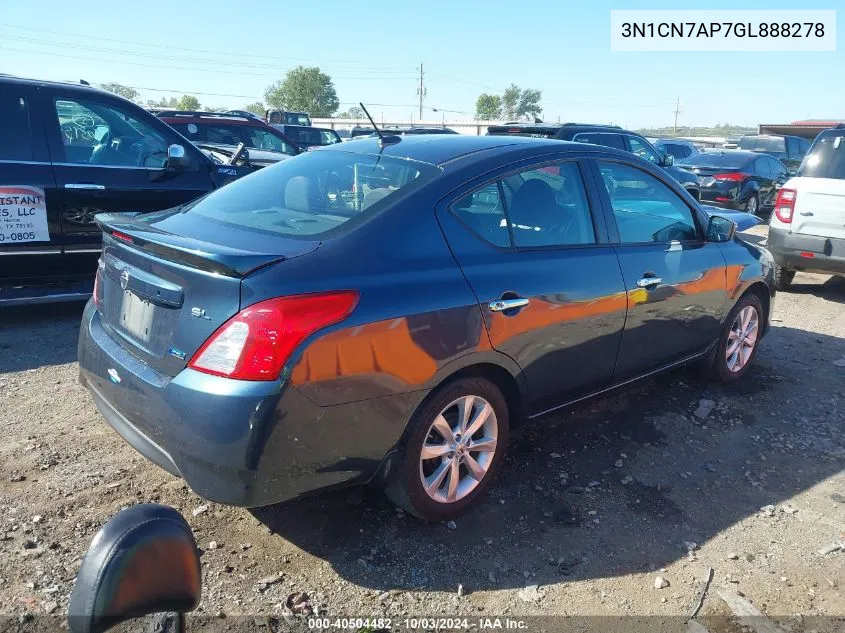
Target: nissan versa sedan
{"points": [[386, 310]]}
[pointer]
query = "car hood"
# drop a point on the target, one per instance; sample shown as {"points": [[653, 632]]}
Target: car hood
{"points": [[743, 221]]}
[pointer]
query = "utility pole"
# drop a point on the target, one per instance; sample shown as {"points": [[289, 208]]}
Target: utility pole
{"points": [[677, 112], [421, 90]]}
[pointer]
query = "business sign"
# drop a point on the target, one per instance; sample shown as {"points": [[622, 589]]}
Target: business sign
{"points": [[23, 215]]}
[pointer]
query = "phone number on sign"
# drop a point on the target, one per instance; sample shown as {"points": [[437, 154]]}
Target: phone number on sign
{"points": [[722, 29]]}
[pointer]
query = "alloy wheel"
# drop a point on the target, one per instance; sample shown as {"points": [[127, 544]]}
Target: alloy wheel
{"points": [[459, 448], [742, 338]]}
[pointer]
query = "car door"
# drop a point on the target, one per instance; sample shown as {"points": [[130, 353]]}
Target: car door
{"points": [[111, 156], [532, 244], [765, 179], [30, 222], [779, 174], [675, 279]]}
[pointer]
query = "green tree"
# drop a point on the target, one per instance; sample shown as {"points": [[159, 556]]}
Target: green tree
{"points": [[119, 89], [305, 89], [256, 108], [510, 102], [188, 102], [488, 107], [529, 103], [170, 103], [352, 113]]}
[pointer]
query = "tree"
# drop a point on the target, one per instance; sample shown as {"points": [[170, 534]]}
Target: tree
{"points": [[488, 107], [119, 89], [188, 102], [162, 103], [352, 113], [529, 103], [305, 89], [256, 108], [510, 102]]}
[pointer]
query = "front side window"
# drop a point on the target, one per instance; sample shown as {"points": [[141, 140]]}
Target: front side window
{"points": [[777, 168], [97, 134], [646, 210], [314, 195], [643, 150], [223, 134], [15, 133], [544, 206]]}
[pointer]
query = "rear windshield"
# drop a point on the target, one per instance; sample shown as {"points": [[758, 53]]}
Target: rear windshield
{"points": [[826, 158], [313, 195], [768, 144], [730, 160], [296, 118]]}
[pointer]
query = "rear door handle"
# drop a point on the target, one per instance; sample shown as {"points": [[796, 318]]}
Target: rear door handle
{"points": [[648, 282], [84, 185], [500, 305]]}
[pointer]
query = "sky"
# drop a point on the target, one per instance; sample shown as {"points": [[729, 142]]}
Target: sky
{"points": [[227, 53]]}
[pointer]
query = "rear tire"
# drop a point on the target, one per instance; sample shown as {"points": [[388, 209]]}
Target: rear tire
{"points": [[463, 474], [729, 363], [783, 277]]}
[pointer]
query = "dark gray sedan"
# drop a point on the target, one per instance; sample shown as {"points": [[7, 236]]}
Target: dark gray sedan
{"points": [[387, 310]]}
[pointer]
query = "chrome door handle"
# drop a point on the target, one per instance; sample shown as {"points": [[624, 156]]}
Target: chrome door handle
{"points": [[647, 282], [500, 305], [84, 185]]}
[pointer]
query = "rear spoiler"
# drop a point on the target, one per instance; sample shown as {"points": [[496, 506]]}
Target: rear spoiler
{"points": [[213, 258]]}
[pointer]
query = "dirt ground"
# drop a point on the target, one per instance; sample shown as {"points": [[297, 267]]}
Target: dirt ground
{"points": [[591, 507]]}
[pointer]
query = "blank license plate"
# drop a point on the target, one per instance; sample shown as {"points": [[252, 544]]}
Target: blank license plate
{"points": [[136, 316]]}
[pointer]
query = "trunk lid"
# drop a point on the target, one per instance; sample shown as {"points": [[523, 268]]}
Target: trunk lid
{"points": [[166, 282], [819, 207]]}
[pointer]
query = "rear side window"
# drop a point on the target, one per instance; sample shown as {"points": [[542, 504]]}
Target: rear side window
{"points": [[646, 210], [612, 140], [587, 137], [826, 158], [15, 133], [317, 195], [775, 145], [540, 207]]}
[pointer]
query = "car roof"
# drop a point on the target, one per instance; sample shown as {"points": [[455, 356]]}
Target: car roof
{"points": [[437, 149], [73, 85]]}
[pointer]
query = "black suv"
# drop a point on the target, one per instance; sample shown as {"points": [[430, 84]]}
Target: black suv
{"points": [[608, 135], [68, 152], [790, 150]]}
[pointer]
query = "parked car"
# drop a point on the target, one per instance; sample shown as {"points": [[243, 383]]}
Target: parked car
{"points": [[807, 228], [488, 287], [790, 150], [676, 147], [608, 135], [244, 113], [274, 116], [401, 131], [309, 136], [67, 153], [229, 130], [736, 179]]}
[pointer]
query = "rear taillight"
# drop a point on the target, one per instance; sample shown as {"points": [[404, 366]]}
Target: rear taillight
{"points": [[255, 343], [785, 205], [734, 176]]}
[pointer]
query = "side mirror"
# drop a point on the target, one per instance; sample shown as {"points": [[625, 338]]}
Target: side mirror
{"points": [[177, 157], [720, 229], [143, 561], [668, 160]]}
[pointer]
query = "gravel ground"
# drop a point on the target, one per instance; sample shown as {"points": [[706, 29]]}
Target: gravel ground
{"points": [[593, 507]]}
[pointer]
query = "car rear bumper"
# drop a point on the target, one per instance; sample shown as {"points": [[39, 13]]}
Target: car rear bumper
{"points": [[810, 253], [243, 443]]}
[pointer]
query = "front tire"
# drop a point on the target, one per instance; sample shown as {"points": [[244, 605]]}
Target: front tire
{"points": [[453, 448], [736, 350], [783, 277]]}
